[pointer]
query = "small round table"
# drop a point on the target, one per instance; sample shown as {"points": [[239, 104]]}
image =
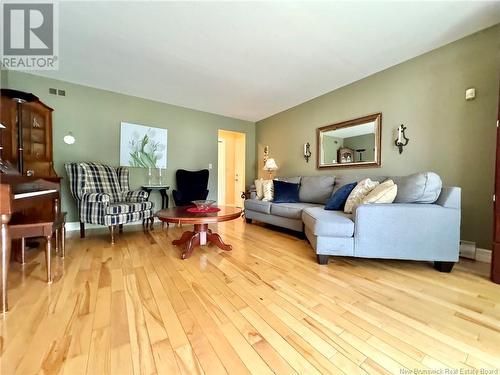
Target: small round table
{"points": [[163, 192], [200, 235]]}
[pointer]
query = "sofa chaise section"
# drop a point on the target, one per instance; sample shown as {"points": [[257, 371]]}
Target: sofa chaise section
{"points": [[413, 231], [407, 231], [331, 230]]}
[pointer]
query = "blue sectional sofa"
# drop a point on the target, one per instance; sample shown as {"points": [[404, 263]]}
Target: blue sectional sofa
{"points": [[422, 224]]}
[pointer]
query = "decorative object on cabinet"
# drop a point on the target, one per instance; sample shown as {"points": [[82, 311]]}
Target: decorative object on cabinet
{"points": [[307, 151], [27, 137], [337, 143], [402, 139], [270, 167], [345, 155]]}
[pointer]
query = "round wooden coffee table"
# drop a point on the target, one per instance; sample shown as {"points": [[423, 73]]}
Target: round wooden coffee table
{"points": [[201, 235]]}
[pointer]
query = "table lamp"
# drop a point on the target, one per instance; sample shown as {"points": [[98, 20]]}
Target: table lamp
{"points": [[270, 166]]}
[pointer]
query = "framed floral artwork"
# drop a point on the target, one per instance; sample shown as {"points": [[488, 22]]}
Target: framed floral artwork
{"points": [[143, 146]]}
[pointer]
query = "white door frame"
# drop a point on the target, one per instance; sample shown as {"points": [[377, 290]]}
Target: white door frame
{"points": [[221, 172]]}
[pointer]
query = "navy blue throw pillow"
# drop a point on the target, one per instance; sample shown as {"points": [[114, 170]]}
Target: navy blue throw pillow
{"points": [[285, 192], [338, 199]]}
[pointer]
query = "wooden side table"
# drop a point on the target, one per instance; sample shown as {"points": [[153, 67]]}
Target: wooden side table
{"points": [[164, 196], [163, 192]]}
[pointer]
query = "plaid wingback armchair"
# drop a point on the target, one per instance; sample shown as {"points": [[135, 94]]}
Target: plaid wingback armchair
{"points": [[103, 196]]}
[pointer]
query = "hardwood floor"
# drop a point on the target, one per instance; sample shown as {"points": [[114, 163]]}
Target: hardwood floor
{"points": [[266, 306]]}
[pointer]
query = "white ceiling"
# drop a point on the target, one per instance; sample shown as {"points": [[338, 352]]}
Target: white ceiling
{"points": [[250, 60]]}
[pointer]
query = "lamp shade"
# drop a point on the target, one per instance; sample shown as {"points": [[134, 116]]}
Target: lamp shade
{"points": [[270, 165], [2, 126]]}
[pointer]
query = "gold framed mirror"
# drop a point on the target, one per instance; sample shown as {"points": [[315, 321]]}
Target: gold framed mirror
{"points": [[349, 144]]}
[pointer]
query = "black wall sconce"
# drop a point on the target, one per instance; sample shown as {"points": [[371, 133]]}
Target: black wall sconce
{"points": [[402, 140], [307, 151]]}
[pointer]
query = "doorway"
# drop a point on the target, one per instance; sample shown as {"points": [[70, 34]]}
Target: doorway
{"points": [[231, 168]]}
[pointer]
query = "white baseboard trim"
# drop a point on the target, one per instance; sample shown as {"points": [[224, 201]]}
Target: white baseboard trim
{"points": [[74, 226], [483, 255]]}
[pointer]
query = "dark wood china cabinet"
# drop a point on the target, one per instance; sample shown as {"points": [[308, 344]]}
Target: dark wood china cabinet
{"points": [[32, 158], [34, 155]]}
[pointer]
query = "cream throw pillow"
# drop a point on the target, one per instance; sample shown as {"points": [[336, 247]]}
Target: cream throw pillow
{"points": [[384, 193], [259, 188], [268, 190], [358, 193]]}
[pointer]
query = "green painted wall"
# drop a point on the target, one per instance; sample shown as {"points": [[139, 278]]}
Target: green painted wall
{"points": [[94, 117], [448, 135], [330, 148], [3, 78]]}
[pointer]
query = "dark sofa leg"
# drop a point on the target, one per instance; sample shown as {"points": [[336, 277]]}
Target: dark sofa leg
{"points": [[444, 266], [322, 259], [302, 235], [82, 230], [248, 221]]}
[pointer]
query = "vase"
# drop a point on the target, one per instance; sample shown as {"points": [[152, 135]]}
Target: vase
{"points": [[160, 179], [150, 175]]}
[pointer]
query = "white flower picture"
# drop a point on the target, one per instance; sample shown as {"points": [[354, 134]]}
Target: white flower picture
{"points": [[143, 146]]}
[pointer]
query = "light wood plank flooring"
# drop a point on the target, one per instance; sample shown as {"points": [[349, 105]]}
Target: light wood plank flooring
{"points": [[136, 308]]}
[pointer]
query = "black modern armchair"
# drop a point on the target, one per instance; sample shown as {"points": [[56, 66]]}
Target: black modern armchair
{"points": [[190, 186]]}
